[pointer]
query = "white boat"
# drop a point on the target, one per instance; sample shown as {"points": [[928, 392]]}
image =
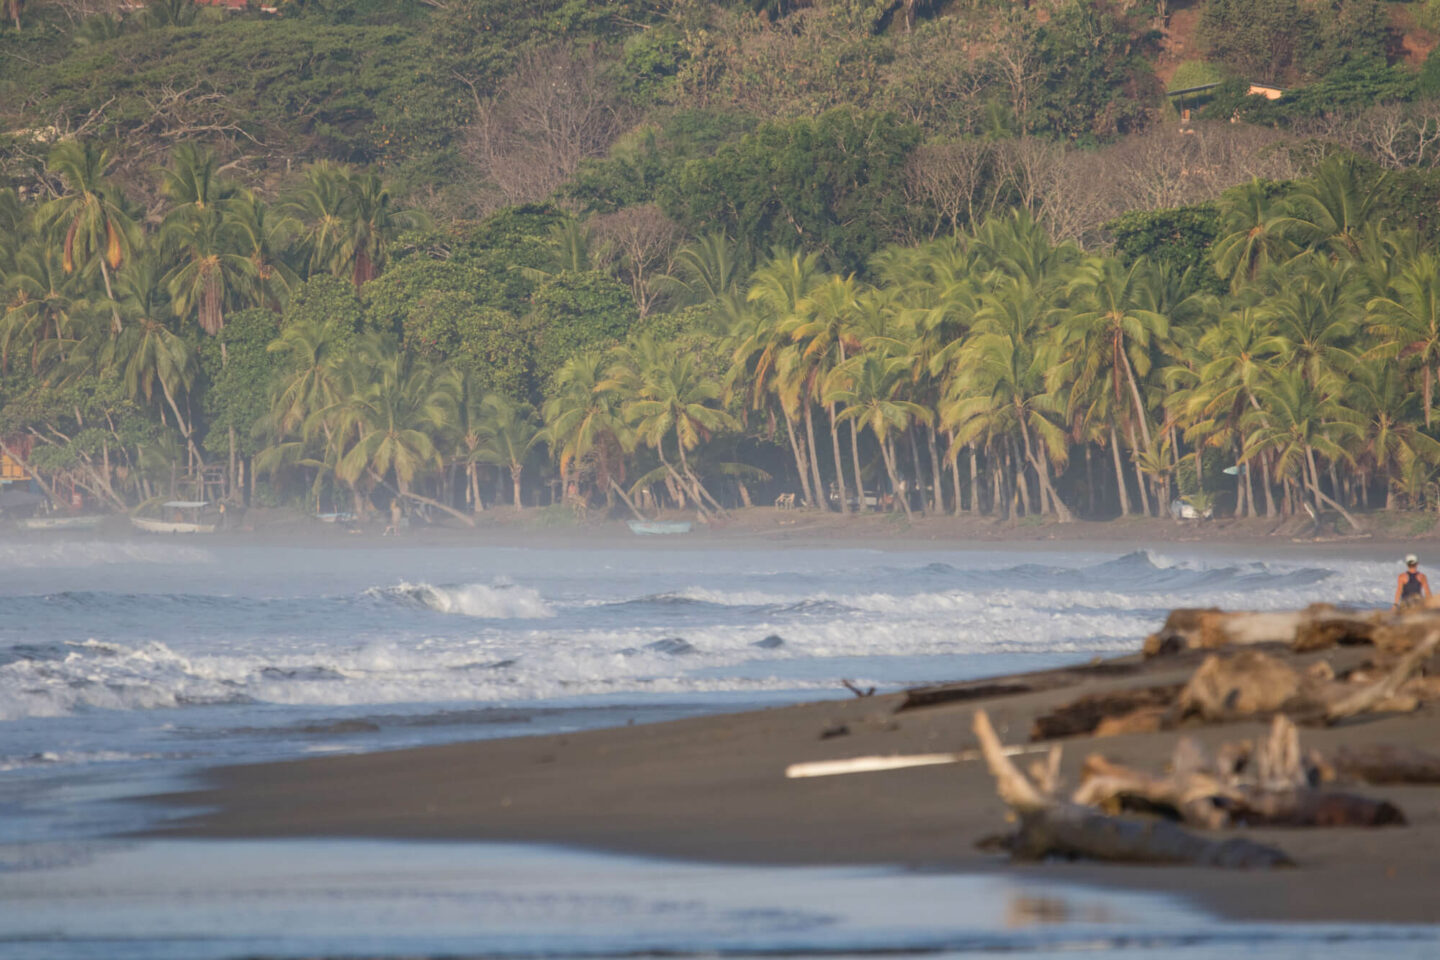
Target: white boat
{"points": [[85, 522], [193, 507], [150, 525], [658, 527]]}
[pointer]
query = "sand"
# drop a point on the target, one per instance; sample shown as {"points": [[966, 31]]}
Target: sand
{"points": [[714, 789]]}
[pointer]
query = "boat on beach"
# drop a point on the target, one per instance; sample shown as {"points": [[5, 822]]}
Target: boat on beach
{"points": [[82, 522], [177, 524], [650, 528]]}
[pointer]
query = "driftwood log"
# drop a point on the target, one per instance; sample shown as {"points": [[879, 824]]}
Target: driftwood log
{"points": [[1049, 827], [1269, 785], [1317, 627], [1386, 763]]}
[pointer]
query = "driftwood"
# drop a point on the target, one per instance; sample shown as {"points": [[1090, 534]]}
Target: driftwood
{"points": [[1317, 627], [1386, 763], [1050, 827], [1273, 786], [1086, 714], [1373, 696]]}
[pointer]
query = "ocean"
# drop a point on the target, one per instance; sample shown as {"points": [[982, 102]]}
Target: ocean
{"points": [[128, 666]]}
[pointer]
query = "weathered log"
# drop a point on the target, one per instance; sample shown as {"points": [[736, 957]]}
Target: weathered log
{"points": [[1367, 699], [1386, 763], [1187, 629], [1246, 684], [1051, 828], [1084, 715], [1190, 796], [1143, 720], [1315, 808], [1324, 630]]}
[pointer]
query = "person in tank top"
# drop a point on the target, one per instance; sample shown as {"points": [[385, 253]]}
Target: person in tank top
{"points": [[1411, 587]]}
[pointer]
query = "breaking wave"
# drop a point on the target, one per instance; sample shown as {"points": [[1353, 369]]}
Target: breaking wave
{"points": [[500, 601]]}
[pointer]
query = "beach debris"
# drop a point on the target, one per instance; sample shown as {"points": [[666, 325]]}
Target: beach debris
{"points": [[1086, 714], [879, 763], [1272, 784], [1319, 626], [858, 691], [1386, 764], [1387, 694], [1050, 827], [959, 693], [1245, 684], [839, 730]]}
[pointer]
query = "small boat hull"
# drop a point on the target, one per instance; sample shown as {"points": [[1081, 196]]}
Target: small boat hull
{"points": [[60, 523], [652, 528], [170, 526]]}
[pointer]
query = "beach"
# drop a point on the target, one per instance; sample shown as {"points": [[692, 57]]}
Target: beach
{"points": [[714, 789], [298, 699]]}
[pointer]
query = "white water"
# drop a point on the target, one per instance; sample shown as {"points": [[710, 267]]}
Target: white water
{"points": [[125, 667]]}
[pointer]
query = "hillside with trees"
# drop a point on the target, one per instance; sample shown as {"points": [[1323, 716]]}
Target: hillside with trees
{"points": [[950, 257]]}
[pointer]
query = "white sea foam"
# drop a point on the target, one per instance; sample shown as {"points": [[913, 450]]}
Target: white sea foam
{"points": [[92, 553], [500, 601]]}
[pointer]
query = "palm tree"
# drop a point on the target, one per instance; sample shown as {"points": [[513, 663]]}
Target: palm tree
{"points": [[999, 387], [868, 385], [664, 395], [371, 223], [1314, 314], [777, 293], [193, 181], [321, 204], [262, 236], [89, 220], [583, 422], [1407, 319], [389, 418], [508, 434], [1331, 206], [1111, 338], [1253, 233], [312, 379], [822, 330], [213, 269], [42, 305], [1391, 441], [1297, 418]]}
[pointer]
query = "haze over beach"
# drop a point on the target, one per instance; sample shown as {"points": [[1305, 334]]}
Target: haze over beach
{"points": [[719, 478], [136, 667]]}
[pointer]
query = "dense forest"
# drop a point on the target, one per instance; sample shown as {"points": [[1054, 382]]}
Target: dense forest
{"points": [[875, 254]]}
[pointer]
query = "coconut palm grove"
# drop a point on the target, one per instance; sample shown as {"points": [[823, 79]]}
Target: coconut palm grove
{"points": [[937, 257]]}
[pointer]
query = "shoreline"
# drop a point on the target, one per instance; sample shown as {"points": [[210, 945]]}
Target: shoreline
{"points": [[712, 789], [1388, 536]]}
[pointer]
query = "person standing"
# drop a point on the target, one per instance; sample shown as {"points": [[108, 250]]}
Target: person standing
{"points": [[1411, 587]]}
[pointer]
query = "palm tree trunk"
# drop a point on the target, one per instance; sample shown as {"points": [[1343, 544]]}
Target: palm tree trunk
{"points": [[1266, 484], [1017, 469], [1140, 477], [800, 466], [516, 470], [855, 462], [822, 502], [1119, 473], [974, 480], [1321, 497], [1089, 479], [915, 462], [1139, 404], [104, 274], [955, 472], [839, 472], [887, 451], [937, 502]]}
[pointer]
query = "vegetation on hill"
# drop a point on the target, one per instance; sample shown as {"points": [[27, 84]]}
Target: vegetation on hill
{"points": [[952, 256]]}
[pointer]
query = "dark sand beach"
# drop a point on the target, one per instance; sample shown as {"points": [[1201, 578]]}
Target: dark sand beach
{"points": [[714, 789]]}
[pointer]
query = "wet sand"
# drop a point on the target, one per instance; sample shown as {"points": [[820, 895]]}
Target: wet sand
{"points": [[714, 789]]}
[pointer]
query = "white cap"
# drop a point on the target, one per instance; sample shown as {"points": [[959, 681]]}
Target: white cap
{"points": [[1410, 559]]}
